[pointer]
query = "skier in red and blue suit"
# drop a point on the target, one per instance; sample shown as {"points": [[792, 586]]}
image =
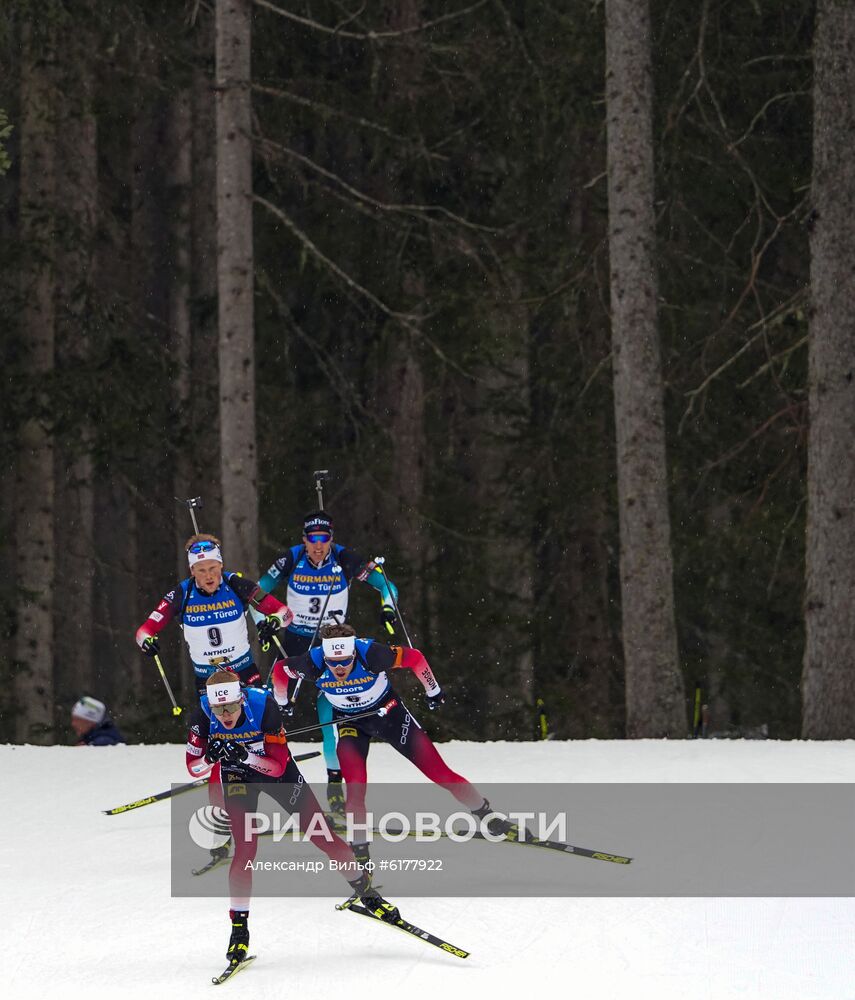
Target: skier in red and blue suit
{"points": [[211, 608], [352, 674], [236, 736]]}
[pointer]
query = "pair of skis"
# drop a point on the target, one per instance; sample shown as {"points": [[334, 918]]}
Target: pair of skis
{"points": [[352, 904]]}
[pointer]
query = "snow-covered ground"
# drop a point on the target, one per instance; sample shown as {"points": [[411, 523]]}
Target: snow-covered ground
{"points": [[88, 911]]}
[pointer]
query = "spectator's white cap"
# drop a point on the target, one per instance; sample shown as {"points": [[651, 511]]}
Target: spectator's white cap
{"points": [[90, 709]]}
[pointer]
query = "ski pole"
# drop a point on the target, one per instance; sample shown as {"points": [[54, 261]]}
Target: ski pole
{"points": [[335, 722], [337, 571], [175, 707], [336, 579], [171, 792], [270, 674], [198, 783], [379, 562]]}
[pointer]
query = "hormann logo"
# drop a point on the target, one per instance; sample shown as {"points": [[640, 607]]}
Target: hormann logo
{"points": [[347, 682], [311, 578], [200, 609]]}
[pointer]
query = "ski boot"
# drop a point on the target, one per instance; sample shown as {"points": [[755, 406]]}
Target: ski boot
{"points": [[239, 941], [378, 906], [371, 899], [362, 854], [498, 825], [335, 796], [220, 853]]}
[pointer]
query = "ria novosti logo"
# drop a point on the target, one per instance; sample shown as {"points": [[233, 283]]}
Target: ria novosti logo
{"points": [[395, 827], [209, 827]]}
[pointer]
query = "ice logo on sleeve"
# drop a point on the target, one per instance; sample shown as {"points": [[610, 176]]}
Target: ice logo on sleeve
{"points": [[209, 827]]}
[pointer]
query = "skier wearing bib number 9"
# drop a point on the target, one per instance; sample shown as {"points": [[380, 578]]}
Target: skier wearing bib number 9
{"points": [[211, 605], [314, 590]]}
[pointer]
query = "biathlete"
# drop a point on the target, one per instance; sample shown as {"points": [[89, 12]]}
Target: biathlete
{"points": [[240, 729], [313, 591], [211, 607], [351, 673]]}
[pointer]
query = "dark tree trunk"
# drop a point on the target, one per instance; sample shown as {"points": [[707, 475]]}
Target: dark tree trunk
{"points": [[828, 710], [204, 365], [34, 653], [235, 282], [77, 209], [655, 697]]}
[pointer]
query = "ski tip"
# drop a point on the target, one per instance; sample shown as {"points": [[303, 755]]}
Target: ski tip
{"points": [[231, 970]]}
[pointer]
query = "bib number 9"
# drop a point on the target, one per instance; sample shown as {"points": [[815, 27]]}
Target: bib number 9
{"points": [[215, 636]]}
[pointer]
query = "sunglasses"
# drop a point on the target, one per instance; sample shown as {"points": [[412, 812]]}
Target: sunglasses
{"points": [[319, 537], [197, 547], [228, 707], [340, 663]]}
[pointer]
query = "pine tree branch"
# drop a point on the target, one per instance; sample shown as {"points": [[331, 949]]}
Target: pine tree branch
{"points": [[416, 210], [368, 36], [409, 321], [329, 111]]}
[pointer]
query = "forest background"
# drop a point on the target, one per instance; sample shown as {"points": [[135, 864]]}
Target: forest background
{"points": [[431, 323]]}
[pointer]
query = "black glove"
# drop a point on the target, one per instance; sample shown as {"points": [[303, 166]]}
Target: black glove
{"points": [[287, 711], [215, 751], [150, 646], [225, 752], [268, 628], [234, 753], [435, 700], [389, 618]]}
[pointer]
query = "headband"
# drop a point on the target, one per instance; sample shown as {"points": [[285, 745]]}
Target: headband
{"points": [[212, 553], [339, 648], [223, 693]]}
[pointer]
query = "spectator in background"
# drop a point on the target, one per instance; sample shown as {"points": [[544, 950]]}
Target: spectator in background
{"points": [[94, 728]]}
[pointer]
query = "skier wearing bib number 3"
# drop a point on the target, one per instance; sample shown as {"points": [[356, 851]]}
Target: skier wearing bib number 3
{"points": [[315, 590], [211, 608]]}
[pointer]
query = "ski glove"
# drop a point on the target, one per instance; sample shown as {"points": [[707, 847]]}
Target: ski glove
{"points": [[225, 752], [389, 619], [150, 646], [268, 628], [435, 700]]}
